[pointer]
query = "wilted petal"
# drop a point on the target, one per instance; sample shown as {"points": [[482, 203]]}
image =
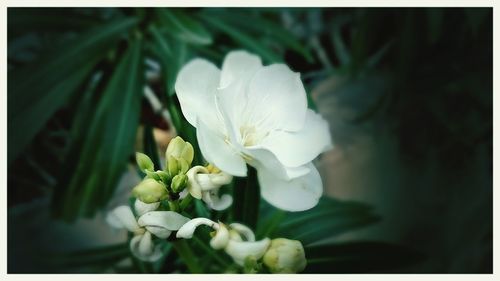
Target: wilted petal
{"points": [[194, 187], [298, 194], [217, 151], [243, 230], [195, 86], [141, 208], [187, 230], [239, 250], [300, 147], [221, 238], [276, 99], [166, 219], [122, 217]]}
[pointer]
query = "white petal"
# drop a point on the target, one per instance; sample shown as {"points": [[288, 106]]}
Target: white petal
{"points": [[239, 250], [217, 151], [298, 148], [145, 245], [263, 159], [239, 65], [153, 254], [195, 86], [194, 187], [159, 232], [276, 99], [221, 238], [141, 208], [298, 194], [122, 217], [166, 219], [212, 199], [243, 230], [187, 230]]}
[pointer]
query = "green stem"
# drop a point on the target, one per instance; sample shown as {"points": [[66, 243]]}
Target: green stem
{"points": [[246, 197], [185, 202], [187, 255]]}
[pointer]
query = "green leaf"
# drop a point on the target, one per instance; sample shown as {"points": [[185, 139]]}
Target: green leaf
{"points": [[246, 197], [327, 220], [150, 147], [104, 256], [359, 257], [261, 26], [103, 147], [246, 40], [37, 91], [184, 27]]}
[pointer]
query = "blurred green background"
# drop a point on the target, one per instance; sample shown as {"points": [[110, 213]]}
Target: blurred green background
{"points": [[407, 92]]}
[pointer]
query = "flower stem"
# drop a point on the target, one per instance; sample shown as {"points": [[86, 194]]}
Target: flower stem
{"points": [[187, 255]]}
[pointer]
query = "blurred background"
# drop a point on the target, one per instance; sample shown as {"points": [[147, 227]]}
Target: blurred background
{"points": [[407, 92]]}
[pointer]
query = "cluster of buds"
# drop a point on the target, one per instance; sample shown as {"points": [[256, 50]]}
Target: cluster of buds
{"points": [[165, 185]]}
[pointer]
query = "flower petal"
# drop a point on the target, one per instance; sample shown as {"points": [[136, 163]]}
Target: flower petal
{"points": [[194, 187], [221, 238], [243, 230], [122, 217], [159, 232], [298, 194], [217, 151], [195, 86], [150, 253], [263, 159], [276, 99], [212, 199], [141, 208], [300, 147], [240, 66], [166, 219], [187, 230], [239, 250]]}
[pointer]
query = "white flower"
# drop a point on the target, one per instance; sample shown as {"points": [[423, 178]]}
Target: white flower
{"points": [[150, 222], [255, 114], [237, 240], [204, 183]]}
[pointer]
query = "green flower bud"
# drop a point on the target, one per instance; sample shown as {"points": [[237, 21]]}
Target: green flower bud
{"points": [[172, 166], [180, 149], [164, 176], [179, 182], [285, 256], [144, 162], [150, 191]]}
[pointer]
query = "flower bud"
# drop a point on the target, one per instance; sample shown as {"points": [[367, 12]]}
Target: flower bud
{"points": [[180, 149], [150, 191], [172, 166], [144, 162], [179, 182], [285, 256]]}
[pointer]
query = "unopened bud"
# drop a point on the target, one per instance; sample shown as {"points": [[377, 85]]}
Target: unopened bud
{"points": [[150, 191], [179, 182], [180, 149], [144, 162], [285, 256]]}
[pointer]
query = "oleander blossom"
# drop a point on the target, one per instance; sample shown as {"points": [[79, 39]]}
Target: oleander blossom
{"points": [[252, 114]]}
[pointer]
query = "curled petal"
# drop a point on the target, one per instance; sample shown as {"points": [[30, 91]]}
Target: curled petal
{"points": [[212, 199], [142, 247], [194, 187], [165, 219], [239, 250], [294, 195], [141, 208], [221, 238], [243, 230], [123, 217], [187, 230]]}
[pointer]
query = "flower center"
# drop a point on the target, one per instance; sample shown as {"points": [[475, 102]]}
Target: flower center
{"points": [[250, 135]]}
